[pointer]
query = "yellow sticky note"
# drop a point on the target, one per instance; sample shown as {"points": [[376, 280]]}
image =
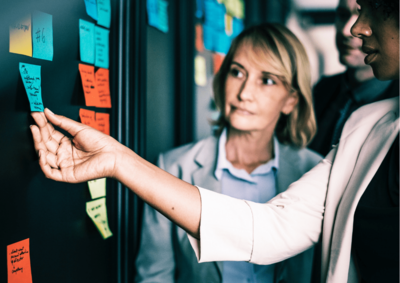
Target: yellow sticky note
{"points": [[200, 75], [21, 36], [228, 25], [97, 188], [97, 211]]}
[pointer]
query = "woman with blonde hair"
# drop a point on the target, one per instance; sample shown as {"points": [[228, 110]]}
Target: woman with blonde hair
{"points": [[266, 121]]}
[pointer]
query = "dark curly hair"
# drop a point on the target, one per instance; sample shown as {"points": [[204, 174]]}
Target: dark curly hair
{"points": [[389, 7]]}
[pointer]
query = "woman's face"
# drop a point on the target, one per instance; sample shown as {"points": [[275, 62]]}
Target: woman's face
{"points": [[380, 36], [255, 96]]}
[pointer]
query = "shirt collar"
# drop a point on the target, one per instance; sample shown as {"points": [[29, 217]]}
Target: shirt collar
{"points": [[224, 164], [367, 91]]}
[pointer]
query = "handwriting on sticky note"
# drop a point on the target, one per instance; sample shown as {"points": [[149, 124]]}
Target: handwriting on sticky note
{"points": [[42, 30], [88, 117], [89, 85], [91, 8], [19, 262], [97, 188], [21, 36], [104, 13], [86, 41], [200, 74], [31, 79], [103, 87], [103, 122], [97, 211], [101, 47]]}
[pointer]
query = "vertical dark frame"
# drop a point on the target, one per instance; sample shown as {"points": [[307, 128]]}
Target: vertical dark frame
{"points": [[185, 88]]}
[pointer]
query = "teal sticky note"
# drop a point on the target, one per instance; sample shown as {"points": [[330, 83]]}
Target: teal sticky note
{"points": [[91, 8], [31, 78], [152, 14], [86, 41], [104, 13], [42, 36], [101, 45], [163, 15]]}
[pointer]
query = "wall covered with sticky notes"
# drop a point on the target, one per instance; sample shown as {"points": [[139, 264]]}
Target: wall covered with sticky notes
{"points": [[49, 235]]}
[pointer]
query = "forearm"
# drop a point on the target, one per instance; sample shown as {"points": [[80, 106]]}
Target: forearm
{"points": [[177, 200]]}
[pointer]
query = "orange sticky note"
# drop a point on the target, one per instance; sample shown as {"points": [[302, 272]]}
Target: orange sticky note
{"points": [[103, 123], [103, 88], [218, 59], [19, 262], [88, 117], [199, 38], [89, 85]]}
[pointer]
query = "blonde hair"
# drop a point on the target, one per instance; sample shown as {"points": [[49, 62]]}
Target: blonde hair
{"points": [[282, 49]]}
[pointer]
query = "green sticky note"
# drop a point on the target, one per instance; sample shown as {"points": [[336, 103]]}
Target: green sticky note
{"points": [[97, 211], [31, 78], [104, 13], [101, 44], [42, 35], [97, 188], [86, 41]]}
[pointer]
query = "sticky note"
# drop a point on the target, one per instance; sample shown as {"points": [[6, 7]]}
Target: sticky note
{"points": [[86, 41], [88, 84], [210, 37], [157, 13], [21, 36], [31, 79], [88, 117], [200, 76], [103, 122], [42, 35], [103, 87], [97, 188], [163, 15], [218, 59], [101, 46], [238, 27], [19, 262], [91, 8], [214, 15], [228, 24], [104, 13], [199, 8], [97, 211], [199, 38], [222, 43], [235, 8]]}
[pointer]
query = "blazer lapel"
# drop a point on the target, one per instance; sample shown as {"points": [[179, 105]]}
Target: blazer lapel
{"points": [[204, 176], [370, 157]]}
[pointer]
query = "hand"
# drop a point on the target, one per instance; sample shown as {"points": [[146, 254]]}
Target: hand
{"points": [[88, 155]]}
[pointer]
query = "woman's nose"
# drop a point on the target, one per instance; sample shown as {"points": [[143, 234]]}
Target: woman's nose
{"points": [[361, 28], [247, 91]]}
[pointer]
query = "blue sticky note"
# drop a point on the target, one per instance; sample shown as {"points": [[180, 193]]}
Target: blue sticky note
{"points": [[86, 41], [209, 38], [30, 75], [152, 12], [214, 14], [101, 45], [104, 13], [42, 35], [91, 8], [163, 15], [237, 27], [199, 8], [223, 43]]}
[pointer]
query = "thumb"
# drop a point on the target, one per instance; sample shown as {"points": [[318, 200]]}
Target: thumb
{"points": [[64, 123]]}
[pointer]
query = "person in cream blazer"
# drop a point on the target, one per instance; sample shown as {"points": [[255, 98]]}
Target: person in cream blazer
{"points": [[165, 253], [322, 201]]}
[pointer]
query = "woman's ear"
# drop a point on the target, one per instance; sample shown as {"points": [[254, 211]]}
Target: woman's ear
{"points": [[290, 103]]}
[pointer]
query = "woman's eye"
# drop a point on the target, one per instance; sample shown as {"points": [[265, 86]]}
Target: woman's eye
{"points": [[268, 81], [236, 73]]}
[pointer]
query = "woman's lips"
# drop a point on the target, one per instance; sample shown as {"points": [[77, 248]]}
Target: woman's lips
{"points": [[241, 111], [371, 54]]}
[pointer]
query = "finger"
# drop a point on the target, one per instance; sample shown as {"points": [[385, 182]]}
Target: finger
{"points": [[45, 130], [37, 139], [51, 160], [64, 123], [57, 136], [54, 174]]}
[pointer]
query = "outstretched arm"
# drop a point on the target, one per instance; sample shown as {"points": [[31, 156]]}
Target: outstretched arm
{"points": [[89, 154]]}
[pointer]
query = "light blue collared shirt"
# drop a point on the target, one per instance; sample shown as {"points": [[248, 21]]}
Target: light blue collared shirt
{"points": [[259, 186]]}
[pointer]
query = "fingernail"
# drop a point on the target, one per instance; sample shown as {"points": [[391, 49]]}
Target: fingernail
{"points": [[51, 112]]}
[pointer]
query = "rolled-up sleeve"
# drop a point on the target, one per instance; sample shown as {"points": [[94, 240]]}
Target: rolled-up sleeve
{"points": [[238, 230]]}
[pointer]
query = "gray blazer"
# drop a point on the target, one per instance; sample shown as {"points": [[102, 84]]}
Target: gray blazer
{"points": [[165, 253]]}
